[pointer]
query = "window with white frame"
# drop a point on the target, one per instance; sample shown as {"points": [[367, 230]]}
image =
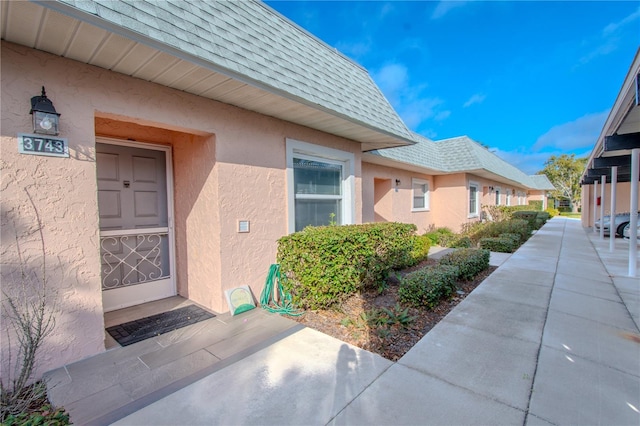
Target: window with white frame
{"points": [[474, 200], [508, 195], [497, 196], [420, 193], [320, 185]]}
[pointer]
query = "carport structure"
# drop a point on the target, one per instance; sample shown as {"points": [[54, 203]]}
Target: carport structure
{"points": [[613, 165]]}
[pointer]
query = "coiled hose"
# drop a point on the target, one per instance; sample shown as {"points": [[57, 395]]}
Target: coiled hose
{"points": [[268, 302]]}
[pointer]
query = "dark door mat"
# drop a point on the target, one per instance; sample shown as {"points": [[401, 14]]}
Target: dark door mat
{"points": [[155, 325]]}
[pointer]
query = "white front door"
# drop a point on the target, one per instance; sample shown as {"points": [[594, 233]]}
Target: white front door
{"points": [[136, 246]]}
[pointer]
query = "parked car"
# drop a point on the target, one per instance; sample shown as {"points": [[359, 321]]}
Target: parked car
{"points": [[621, 220], [626, 232]]}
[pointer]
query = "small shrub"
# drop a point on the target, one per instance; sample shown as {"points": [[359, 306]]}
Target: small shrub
{"points": [[535, 205], [497, 244], [469, 262], [552, 212], [528, 215], [45, 415], [427, 286], [544, 216], [513, 226], [322, 266], [513, 237], [499, 213], [462, 242], [421, 246], [440, 236]]}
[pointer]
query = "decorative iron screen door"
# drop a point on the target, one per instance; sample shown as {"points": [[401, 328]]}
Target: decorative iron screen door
{"points": [[135, 244]]}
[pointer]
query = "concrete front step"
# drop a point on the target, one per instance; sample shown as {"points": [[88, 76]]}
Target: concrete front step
{"points": [[115, 383]]}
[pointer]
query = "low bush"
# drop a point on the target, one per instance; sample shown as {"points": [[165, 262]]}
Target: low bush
{"points": [[476, 232], [513, 226], [552, 212], [535, 205], [469, 262], [421, 246], [545, 216], [427, 286], [497, 244], [528, 215], [440, 236], [461, 242], [322, 266], [513, 237]]}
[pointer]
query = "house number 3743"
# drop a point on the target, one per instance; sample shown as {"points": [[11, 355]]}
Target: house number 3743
{"points": [[38, 145]]}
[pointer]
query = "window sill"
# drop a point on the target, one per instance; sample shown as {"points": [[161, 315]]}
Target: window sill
{"points": [[420, 210]]}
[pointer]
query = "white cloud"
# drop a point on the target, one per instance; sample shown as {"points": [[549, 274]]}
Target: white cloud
{"points": [[445, 6], [410, 101], [578, 134], [477, 98], [442, 115], [615, 26], [355, 50], [529, 162], [392, 79], [609, 38]]}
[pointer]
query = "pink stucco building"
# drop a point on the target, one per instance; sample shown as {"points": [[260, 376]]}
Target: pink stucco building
{"points": [[189, 143]]}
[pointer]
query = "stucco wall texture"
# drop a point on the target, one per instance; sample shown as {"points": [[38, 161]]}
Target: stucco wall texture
{"points": [[228, 165], [385, 201]]}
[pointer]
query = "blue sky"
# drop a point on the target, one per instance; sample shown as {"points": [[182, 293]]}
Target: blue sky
{"points": [[528, 79]]}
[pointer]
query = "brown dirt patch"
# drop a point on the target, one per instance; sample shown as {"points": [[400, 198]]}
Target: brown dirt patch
{"points": [[354, 321]]}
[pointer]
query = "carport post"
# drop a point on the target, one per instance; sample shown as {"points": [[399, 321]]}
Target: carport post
{"points": [[614, 183], [595, 205], [604, 181], [633, 210]]}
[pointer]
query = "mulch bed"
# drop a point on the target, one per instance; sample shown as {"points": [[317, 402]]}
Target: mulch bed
{"points": [[392, 342]]}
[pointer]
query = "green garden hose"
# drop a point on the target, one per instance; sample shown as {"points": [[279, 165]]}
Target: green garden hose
{"points": [[268, 302]]}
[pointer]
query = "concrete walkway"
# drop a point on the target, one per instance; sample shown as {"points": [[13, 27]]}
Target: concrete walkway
{"points": [[550, 338]]}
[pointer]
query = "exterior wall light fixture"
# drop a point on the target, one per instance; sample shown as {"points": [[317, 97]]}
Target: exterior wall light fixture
{"points": [[397, 182], [45, 117]]}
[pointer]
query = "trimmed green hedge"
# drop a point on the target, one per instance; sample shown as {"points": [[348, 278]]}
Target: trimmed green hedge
{"points": [[441, 236], [322, 266], [513, 237], [536, 205], [552, 212], [469, 261], [421, 246], [497, 244], [494, 229], [529, 216], [427, 286]]}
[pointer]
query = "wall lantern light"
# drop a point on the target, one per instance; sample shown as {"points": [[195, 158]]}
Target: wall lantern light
{"points": [[397, 182], [491, 189], [45, 117]]}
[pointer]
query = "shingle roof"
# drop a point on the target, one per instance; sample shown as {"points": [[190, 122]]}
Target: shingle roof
{"points": [[249, 39], [424, 153], [542, 182], [460, 155]]}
